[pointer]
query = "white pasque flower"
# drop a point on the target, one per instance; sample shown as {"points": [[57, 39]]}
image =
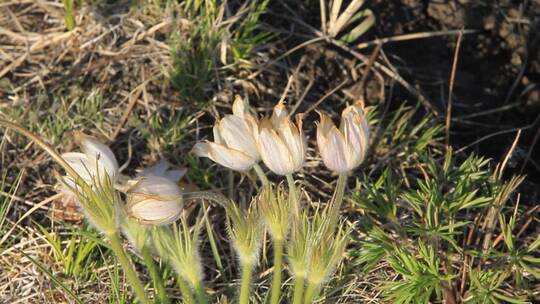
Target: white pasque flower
{"points": [[154, 200], [235, 140], [345, 148], [281, 142], [96, 160]]}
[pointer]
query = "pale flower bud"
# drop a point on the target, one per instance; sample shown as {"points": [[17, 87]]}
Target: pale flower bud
{"points": [[235, 140], [154, 200], [282, 143], [345, 148]]}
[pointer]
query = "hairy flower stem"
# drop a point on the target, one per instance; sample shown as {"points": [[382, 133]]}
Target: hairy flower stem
{"points": [[276, 278], [124, 261], [293, 195], [311, 292], [298, 289], [187, 297], [247, 270], [200, 294], [156, 277], [261, 175], [337, 199], [215, 197]]}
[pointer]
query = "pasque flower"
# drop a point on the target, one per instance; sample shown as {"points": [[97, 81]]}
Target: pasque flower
{"points": [[235, 140], [154, 200], [281, 142], [343, 149], [96, 160]]}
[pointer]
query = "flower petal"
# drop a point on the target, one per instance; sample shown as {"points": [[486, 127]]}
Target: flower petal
{"points": [[280, 113], [218, 139], [294, 142], [80, 162], [274, 152], [224, 156], [324, 126], [94, 148], [156, 186], [240, 107], [356, 131], [151, 211], [238, 135], [163, 169], [333, 151]]}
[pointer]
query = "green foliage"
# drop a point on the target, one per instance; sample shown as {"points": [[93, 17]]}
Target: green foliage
{"points": [[69, 17], [197, 174], [53, 278], [210, 40], [420, 276], [248, 33], [194, 53], [487, 288], [419, 212], [7, 190], [401, 141], [77, 254], [347, 22], [55, 117], [164, 130]]}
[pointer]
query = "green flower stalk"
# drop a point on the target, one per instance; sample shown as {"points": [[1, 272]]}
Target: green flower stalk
{"points": [[326, 248], [138, 235], [179, 246], [276, 209], [245, 231], [91, 176], [298, 255], [337, 198]]}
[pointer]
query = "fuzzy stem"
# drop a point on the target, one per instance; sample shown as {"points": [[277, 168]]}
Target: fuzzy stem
{"points": [[293, 194], [187, 297], [298, 289], [247, 270], [276, 278], [156, 277], [218, 198], [337, 199], [199, 293], [124, 261], [261, 175], [311, 292]]}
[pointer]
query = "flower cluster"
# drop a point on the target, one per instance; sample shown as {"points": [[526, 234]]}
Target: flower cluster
{"points": [[314, 243], [153, 196], [241, 140]]}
